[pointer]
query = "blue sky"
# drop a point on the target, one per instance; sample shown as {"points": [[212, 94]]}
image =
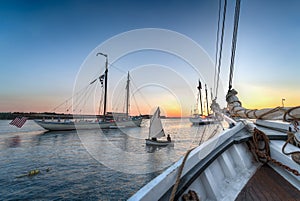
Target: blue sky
{"points": [[44, 43]]}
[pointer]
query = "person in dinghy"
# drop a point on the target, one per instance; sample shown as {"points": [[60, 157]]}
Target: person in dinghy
{"points": [[156, 131]]}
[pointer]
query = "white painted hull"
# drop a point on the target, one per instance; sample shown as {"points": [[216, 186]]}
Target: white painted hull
{"points": [[86, 125], [201, 121], [218, 169], [158, 142]]}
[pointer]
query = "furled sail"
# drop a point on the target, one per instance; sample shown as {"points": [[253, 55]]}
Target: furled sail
{"points": [[156, 128], [278, 113]]}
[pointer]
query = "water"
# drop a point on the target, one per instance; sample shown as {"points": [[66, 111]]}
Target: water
{"points": [[93, 170]]}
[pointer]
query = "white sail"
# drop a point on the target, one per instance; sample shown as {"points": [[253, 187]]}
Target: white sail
{"points": [[156, 128]]}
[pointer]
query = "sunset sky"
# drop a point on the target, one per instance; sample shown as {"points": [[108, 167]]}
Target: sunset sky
{"points": [[45, 46]]}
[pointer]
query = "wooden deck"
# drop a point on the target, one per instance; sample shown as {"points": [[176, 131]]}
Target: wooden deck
{"points": [[266, 184]]}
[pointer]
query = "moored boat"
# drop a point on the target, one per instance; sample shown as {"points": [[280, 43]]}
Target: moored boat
{"points": [[112, 120], [202, 120], [87, 124], [199, 118]]}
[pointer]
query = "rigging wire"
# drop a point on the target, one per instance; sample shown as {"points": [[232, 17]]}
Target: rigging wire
{"points": [[234, 40], [217, 43], [76, 94], [94, 80], [221, 48], [136, 103], [118, 95], [132, 83], [80, 99], [139, 90], [117, 68]]}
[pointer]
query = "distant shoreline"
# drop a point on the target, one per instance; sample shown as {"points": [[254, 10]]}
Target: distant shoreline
{"points": [[50, 115]]}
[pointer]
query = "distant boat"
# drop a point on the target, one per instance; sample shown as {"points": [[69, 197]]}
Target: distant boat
{"points": [[119, 120], [201, 119], [156, 131], [198, 119]]}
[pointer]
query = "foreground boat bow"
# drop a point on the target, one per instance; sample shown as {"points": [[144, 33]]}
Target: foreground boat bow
{"points": [[219, 168]]}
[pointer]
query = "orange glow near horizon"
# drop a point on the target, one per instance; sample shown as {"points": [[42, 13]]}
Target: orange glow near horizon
{"points": [[252, 97], [166, 110], [258, 97]]}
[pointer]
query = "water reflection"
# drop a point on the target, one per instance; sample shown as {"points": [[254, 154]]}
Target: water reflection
{"points": [[154, 148], [52, 137], [73, 167], [14, 141]]}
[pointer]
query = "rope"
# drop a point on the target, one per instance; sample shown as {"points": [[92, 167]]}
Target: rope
{"points": [[263, 153], [175, 187], [190, 196], [288, 112], [214, 132], [201, 139], [221, 47], [234, 39], [179, 175], [270, 112], [290, 139]]}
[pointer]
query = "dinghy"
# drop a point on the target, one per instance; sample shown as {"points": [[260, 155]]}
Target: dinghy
{"points": [[156, 131]]}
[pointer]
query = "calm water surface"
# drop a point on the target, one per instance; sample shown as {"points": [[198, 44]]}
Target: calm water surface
{"points": [[73, 170]]}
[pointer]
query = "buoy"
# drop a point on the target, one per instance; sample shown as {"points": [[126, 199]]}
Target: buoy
{"points": [[29, 174], [33, 172]]}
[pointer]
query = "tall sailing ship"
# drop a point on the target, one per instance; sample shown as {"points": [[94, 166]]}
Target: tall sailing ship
{"points": [[108, 120]]}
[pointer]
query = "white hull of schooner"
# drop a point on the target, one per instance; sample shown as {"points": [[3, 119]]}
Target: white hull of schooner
{"points": [[86, 125]]}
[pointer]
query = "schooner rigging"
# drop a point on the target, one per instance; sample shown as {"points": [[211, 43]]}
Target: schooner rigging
{"points": [[107, 121]]}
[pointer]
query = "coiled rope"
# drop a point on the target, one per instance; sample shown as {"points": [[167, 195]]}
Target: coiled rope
{"points": [[263, 153], [288, 113]]}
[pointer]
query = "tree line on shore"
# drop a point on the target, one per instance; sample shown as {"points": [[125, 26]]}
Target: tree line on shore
{"points": [[47, 115], [30, 115]]}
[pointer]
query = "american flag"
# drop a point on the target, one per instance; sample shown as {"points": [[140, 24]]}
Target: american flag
{"points": [[18, 122]]}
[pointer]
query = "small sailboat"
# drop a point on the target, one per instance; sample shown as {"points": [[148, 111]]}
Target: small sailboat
{"points": [[156, 131]]}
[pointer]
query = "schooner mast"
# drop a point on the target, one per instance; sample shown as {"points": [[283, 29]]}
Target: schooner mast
{"points": [[199, 89], [127, 95], [206, 100], [105, 82]]}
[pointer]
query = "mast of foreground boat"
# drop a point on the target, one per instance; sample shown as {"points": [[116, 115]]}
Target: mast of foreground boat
{"points": [[105, 82]]}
